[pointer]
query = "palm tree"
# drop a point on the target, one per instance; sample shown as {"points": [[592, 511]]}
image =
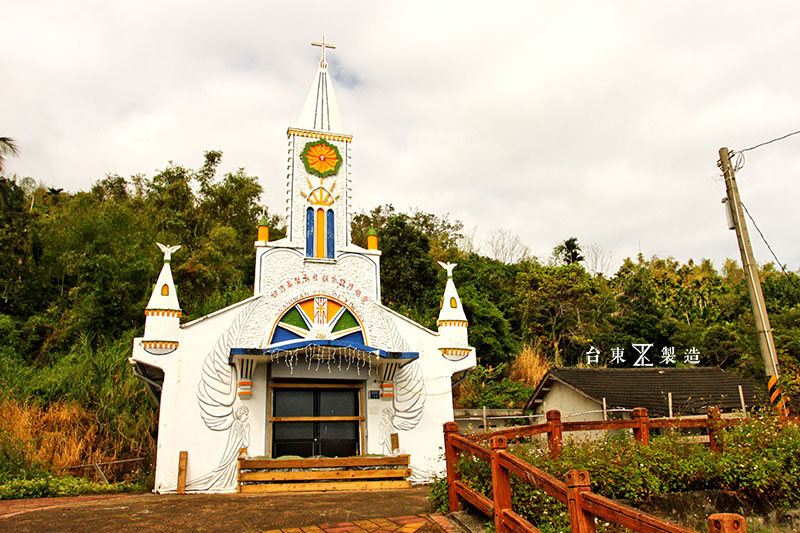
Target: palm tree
{"points": [[569, 251], [8, 146]]}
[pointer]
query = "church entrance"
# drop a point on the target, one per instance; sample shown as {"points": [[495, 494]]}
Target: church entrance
{"points": [[316, 420]]}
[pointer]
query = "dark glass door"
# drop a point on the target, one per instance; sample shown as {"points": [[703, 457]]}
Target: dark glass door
{"points": [[315, 421]]}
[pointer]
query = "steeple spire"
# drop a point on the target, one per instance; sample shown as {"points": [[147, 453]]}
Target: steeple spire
{"points": [[164, 296], [321, 112], [163, 312], [453, 322], [452, 312]]}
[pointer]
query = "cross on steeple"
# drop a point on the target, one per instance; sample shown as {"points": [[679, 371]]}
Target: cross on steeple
{"points": [[323, 45]]}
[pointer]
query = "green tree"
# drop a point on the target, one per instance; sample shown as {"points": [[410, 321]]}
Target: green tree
{"points": [[376, 219], [15, 237], [555, 303], [568, 252], [409, 282], [8, 146], [442, 233], [486, 288]]}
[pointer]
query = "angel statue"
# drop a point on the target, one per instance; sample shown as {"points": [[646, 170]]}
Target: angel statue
{"points": [[216, 393], [225, 474], [168, 250]]}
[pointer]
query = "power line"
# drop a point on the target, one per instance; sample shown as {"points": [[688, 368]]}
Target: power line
{"points": [[767, 243], [769, 142]]}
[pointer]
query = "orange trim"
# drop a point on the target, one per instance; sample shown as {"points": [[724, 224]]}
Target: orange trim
{"points": [[387, 395], [387, 385], [462, 323], [314, 135], [159, 344], [772, 381], [245, 383], [245, 393], [162, 312], [775, 395]]}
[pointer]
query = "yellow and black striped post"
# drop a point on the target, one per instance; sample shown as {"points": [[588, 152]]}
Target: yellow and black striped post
{"points": [[776, 397]]}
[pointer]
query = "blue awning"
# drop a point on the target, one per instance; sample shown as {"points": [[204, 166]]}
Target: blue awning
{"points": [[327, 345]]}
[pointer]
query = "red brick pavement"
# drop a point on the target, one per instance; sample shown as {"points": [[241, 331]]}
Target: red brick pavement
{"points": [[427, 523]]}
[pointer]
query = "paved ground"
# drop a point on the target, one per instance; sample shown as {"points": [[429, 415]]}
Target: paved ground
{"points": [[404, 511]]}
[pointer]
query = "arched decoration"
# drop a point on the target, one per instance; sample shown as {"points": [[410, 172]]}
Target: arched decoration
{"points": [[453, 303], [330, 234], [320, 196], [165, 290], [320, 317], [310, 232]]}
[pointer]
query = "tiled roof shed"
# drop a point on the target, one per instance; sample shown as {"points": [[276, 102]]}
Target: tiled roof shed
{"points": [[693, 389]]}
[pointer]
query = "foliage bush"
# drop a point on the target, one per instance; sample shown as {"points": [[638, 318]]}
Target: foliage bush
{"points": [[50, 486], [488, 387], [14, 461], [759, 462]]}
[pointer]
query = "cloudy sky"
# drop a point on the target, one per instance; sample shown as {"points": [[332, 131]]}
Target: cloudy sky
{"points": [[600, 120]]}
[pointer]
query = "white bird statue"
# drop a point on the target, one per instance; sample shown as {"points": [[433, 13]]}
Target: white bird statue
{"points": [[168, 250]]}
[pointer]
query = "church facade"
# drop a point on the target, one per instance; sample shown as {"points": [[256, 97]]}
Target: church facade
{"points": [[312, 364]]}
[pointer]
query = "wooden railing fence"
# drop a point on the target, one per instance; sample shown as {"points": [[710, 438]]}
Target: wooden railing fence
{"points": [[99, 472], [575, 491], [640, 423]]}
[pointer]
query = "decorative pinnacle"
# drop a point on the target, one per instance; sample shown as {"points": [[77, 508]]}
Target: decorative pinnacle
{"points": [[323, 45], [168, 251], [371, 231], [449, 267]]}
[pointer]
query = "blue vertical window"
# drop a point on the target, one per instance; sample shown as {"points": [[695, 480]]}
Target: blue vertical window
{"points": [[330, 234], [310, 232]]}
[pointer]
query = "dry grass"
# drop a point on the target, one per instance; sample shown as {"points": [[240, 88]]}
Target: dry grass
{"points": [[57, 436], [531, 365]]}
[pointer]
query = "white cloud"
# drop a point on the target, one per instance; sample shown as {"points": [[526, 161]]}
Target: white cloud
{"points": [[598, 120]]}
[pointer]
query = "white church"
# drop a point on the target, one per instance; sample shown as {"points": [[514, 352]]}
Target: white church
{"points": [[312, 365]]}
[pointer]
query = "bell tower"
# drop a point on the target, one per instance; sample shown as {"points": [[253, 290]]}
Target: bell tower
{"points": [[318, 181]]}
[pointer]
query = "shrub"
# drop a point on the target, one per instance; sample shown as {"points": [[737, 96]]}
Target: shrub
{"points": [[759, 461], [49, 486]]}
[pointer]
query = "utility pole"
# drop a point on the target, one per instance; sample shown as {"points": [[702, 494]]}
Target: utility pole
{"points": [[765, 340]]}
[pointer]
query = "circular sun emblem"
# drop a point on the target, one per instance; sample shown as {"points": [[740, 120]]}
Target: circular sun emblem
{"points": [[321, 158]]}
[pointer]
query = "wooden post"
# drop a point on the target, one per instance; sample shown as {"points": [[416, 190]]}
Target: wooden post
{"points": [[100, 474], [726, 523], [577, 483], [501, 483], [554, 433], [182, 459], [451, 456], [741, 400], [713, 427], [669, 403], [641, 430]]}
